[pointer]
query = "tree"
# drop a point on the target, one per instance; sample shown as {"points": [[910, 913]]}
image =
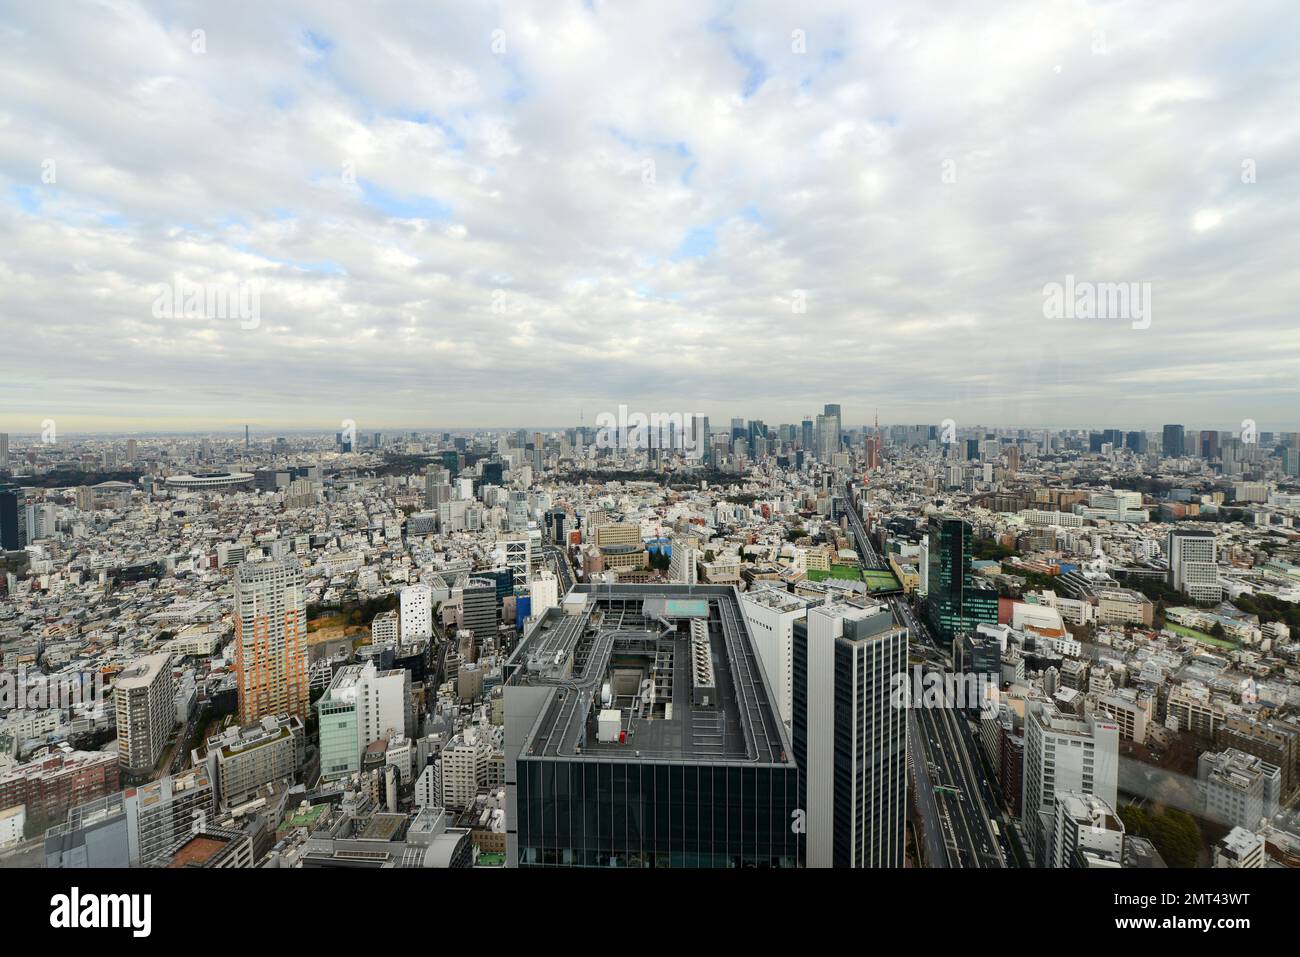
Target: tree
{"points": [[1174, 833]]}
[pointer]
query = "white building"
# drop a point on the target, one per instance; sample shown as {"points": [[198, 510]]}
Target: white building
{"points": [[383, 629], [362, 705], [12, 821], [1240, 848], [1064, 753], [417, 612], [682, 568], [543, 592], [465, 767], [517, 549], [1193, 564], [1238, 789], [1086, 832], [771, 614], [428, 786]]}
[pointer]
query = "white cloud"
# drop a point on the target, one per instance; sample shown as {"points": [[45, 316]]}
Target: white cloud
{"points": [[390, 182]]}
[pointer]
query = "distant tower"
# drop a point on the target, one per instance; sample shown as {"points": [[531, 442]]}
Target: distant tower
{"points": [[245, 437]]}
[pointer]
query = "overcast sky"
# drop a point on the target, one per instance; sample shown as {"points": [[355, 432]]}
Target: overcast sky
{"points": [[480, 214]]}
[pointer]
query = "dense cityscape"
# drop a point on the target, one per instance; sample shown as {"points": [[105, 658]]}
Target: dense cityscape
{"points": [[661, 642], [848, 446]]}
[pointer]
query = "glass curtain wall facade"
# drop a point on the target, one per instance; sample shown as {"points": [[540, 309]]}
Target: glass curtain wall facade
{"points": [[624, 814]]}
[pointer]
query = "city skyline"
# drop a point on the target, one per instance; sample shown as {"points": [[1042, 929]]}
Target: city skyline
{"points": [[718, 423], [538, 207]]}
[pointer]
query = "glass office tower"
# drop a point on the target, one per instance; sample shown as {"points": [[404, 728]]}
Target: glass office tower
{"points": [[956, 603]]}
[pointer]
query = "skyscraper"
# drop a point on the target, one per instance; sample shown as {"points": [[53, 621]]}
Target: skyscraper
{"points": [[701, 439], [1064, 754], [480, 609], [955, 602], [771, 614], [1193, 564], [271, 640], [1173, 442], [850, 735], [827, 437], [834, 427], [144, 699], [13, 518]]}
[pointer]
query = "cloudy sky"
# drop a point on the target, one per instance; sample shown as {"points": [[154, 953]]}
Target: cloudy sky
{"points": [[458, 214]]}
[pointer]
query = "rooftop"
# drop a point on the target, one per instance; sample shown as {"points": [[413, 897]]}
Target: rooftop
{"points": [[142, 671], [640, 651], [777, 599]]}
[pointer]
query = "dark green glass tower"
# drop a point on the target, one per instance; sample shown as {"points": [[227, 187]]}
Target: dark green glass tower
{"points": [[955, 603]]}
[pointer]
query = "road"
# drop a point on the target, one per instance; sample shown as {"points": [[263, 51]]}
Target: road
{"points": [[869, 557], [559, 563], [956, 803]]}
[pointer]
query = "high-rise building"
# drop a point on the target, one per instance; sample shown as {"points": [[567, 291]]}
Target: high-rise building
{"points": [[639, 733], [384, 629], [1238, 789], [828, 432], [849, 734], [1086, 832], [480, 610], [144, 697], [518, 553], [242, 760], [543, 592], [271, 640], [1063, 753], [1173, 442], [135, 827], [417, 612], [518, 512], [41, 521], [4, 450], [13, 518], [437, 486], [683, 564], [1193, 564], [771, 614], [956, 603], [362, 705], [1209, 447]]}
